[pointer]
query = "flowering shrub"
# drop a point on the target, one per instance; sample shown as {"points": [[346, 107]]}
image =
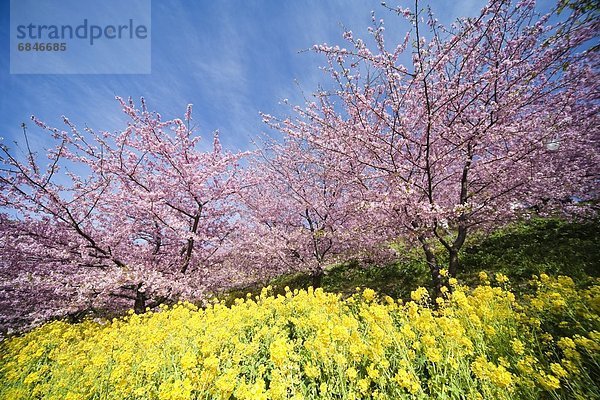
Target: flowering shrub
{"points": [[476, 343]]}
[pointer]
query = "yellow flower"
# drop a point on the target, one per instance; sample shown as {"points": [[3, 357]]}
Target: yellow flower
{"points": [[373, 372], [176, 390], [546, 337], [518, 346], [351, 373], [279, 350], [226, 383], [312, 371], [586, 343], [188, 360], [407, 381], [368, 294], [502, 378], [526, 365], [323, 388], [566, 343], [485, 370], [558, 370], [433, 355], [363, 385], [428, 340], [489, 330], [419, 295], [548, 382]]}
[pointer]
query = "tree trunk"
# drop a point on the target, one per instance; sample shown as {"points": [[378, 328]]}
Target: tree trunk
{"points": [[317, 278], [434, 268], [140, 300], [453, 263], [436, 280], [189, 248]]}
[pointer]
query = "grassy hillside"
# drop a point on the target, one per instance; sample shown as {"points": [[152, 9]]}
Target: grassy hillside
{"points": [[552, 246], [519, 251]]}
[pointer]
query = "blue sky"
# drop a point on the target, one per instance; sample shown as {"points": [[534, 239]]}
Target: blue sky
{"points": [[231, 59]]}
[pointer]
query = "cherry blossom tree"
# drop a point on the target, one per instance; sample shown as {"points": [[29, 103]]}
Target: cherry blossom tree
{"points": [[139, 216], [311, 216], [462, 126]]}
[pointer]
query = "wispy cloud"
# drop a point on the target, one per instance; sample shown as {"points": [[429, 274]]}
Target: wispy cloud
{"points": [[231, 59]]}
